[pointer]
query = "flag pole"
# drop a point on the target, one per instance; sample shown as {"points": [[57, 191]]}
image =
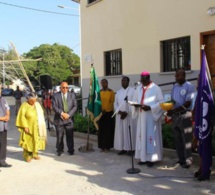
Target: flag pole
{"points": [[208, 73], [93, 108], [88, 147], [88, 133]]}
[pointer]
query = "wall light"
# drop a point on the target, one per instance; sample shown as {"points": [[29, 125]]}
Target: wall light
{"points": [[211, 11]]}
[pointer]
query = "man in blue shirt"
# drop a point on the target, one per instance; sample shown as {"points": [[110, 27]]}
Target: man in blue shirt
{"points": [[182, 95], [4, 118]]}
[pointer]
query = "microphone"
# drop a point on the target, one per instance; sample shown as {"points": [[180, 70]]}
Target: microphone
{"points": [[126, 98], [136, 84]]}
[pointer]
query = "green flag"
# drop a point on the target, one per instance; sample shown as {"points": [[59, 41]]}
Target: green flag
{"points": [[94, 108]]}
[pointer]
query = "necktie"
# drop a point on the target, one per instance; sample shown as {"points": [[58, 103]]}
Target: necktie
{"points": [[65, 105]]}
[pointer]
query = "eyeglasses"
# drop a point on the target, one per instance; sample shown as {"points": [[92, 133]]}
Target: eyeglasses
{"points": [[64, 87]]}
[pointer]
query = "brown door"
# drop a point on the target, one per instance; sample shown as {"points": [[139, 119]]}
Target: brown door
{"points": [[208, 39]]}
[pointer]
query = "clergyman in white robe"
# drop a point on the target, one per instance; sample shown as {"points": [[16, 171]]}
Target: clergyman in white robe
{"points": [[149, 145], [122, 137]]}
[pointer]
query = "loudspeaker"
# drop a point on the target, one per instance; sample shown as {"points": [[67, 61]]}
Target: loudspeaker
{"points": [[46, 82]]}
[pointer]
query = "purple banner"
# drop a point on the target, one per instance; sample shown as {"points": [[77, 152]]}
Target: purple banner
{"points": [[203, 113]]}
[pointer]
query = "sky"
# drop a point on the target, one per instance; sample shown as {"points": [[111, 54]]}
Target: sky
{"points": [[27, 28]]}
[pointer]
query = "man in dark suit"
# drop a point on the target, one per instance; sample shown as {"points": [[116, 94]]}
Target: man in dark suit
{"points": [[64, 105]]}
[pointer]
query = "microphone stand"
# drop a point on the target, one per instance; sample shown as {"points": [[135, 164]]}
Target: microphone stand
{"points": [[131, 170]]}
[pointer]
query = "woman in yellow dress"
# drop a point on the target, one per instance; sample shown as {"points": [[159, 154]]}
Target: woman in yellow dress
{"points": [[31, 125]]}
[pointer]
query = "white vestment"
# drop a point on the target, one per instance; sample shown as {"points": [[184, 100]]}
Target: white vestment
{"points": [[122, 137], [149, 145]]}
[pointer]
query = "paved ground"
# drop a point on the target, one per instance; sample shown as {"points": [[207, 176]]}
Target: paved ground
{"points": [[92, 173]]}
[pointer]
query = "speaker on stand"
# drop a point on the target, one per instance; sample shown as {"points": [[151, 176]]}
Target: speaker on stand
{"points": [[46, 82]]}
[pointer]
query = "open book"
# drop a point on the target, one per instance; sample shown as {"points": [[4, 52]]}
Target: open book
{"points": [[134, 103]]}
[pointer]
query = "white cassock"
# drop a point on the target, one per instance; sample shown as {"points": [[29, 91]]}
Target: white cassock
{"points": [[149, 145], [122, 137]]}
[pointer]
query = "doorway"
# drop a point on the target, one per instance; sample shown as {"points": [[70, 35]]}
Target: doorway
{"points": [[208, 39]]}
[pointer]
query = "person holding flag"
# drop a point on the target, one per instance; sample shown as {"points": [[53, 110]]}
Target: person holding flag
{"points": [[107, 122], [100, 110], [204, 107]]}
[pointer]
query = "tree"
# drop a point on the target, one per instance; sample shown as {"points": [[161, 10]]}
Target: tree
{"points": [[58, 61]]}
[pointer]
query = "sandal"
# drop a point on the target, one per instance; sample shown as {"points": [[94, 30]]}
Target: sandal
{"points": [[36, 157], [28, 160]]}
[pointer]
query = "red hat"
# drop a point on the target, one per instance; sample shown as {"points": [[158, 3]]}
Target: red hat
{"points": [[145, 73]]}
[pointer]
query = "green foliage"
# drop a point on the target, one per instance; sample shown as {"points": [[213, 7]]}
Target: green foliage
{"points": [[10, 55], [168, 140], [58, 61], [81, 124]]}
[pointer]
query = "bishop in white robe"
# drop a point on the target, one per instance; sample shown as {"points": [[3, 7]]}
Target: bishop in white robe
{"points": [[149, 145]]}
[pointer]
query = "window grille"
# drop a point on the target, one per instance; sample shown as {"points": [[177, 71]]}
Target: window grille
{"points": [[113, 62], [176, 54], [91, 1]]}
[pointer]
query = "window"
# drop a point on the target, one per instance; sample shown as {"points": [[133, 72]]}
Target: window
{"points": [[91, 1], [76, 81], [176, 54], [113, 62]]}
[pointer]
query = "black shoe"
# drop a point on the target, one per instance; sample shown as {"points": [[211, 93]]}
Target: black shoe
{"points": [[197, 174], [5, 165], [185, 166], [142, 163], [71, 152], [122, 152], [150, 164], [205, 177], [130, 153], [59, 153]]}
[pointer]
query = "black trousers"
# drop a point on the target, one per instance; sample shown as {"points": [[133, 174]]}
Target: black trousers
{"points": [[68, 130], [182, 133], [3, 146], [106, 131]]}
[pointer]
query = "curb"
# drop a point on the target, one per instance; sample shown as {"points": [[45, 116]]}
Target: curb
{"points": [[170, 153]]}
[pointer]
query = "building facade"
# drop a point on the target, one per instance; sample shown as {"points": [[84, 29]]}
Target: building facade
{"points": [[126, 37]]}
